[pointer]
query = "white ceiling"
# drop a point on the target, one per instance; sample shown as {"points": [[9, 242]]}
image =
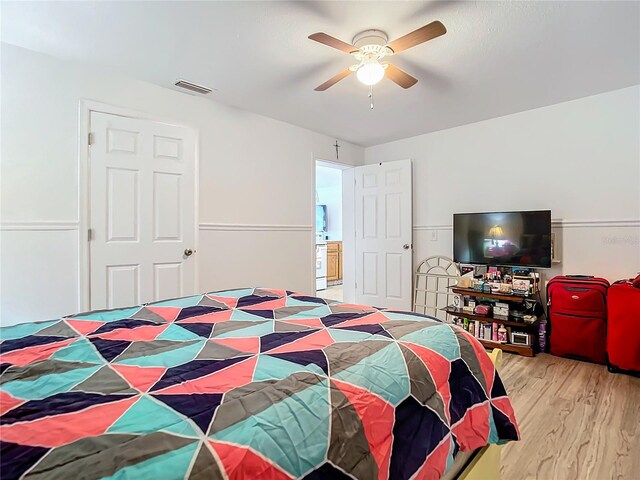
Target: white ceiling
{"points": [[497, 57]]}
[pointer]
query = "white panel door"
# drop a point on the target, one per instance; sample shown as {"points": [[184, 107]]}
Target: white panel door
{"points": [[383, 201], [142, 211]]}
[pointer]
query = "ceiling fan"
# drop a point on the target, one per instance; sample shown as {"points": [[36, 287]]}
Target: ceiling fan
{"points": [[371, 46]]}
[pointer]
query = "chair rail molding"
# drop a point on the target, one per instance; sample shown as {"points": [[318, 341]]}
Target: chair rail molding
{"points": [[557, 224], [39, 226], [254, 227]]}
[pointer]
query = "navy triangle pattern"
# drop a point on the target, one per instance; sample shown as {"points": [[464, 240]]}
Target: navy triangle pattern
{"points": [[197, 311], [273, 340], [30, 341], [17, 459], [466, 391], [417, 431], [336, 318], [253, 300], [57, 404], [326, 470], [191, 370], [109, 349], [198, 407], [498, 390], [373, 328], [316, 357], [304, 298], [128, 323], [201, 329], [504, 427]]}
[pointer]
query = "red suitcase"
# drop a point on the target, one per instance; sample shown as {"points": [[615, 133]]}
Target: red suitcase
{"points": [[578, 317], [623, 335]]}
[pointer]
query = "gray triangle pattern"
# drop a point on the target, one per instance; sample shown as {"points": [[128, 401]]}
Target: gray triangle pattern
{"points": [[400, 328], [224, 327], [290, 327], [216, 351], [205, 466], [258, 292], [423, 388], [60, 329], [154, 347], [210, 302], [285, 312], [104, 381], [146, 314]]}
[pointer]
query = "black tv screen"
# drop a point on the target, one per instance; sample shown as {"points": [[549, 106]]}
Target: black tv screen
{"points": [[518, 239]]}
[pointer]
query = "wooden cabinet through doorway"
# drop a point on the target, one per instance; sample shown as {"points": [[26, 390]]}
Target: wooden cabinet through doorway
{"points": [[334, 261]]}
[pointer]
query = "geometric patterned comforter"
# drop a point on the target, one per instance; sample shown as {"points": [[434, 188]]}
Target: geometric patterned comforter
{"points": [[248, 383]]}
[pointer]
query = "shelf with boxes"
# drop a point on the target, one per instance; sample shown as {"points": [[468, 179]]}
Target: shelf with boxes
{"points": [[499, 314]]}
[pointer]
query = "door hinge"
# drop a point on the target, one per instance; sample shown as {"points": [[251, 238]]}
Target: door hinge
{"points": [[90, 138], [90, 234]]}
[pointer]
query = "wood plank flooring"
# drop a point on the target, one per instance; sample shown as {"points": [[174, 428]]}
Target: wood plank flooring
{"points": [[577, 421]]}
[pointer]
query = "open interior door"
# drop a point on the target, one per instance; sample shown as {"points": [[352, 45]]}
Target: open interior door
{"points": [[383, 236]]}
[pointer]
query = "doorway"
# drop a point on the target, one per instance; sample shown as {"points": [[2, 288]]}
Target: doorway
{"points": [[328, 227], [141, 210]]}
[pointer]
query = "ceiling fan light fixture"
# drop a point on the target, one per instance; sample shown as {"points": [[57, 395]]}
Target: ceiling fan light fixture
{"points": [[370, 73]]}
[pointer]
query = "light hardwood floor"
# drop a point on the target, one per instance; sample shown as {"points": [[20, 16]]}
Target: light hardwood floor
{"points": [[577, 421], [334, 292]]}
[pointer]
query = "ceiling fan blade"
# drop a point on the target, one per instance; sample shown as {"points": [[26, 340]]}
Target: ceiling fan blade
{"points": [[400, 77], [333, 80], [421, 35], [333, 42]]}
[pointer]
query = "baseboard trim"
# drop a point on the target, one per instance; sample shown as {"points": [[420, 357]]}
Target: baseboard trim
{"points": [[557, 224], [39, 226], [254, 227]]}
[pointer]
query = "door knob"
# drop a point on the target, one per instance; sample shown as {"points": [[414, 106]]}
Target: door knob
{"points": [[188, 252], [406, 246]]}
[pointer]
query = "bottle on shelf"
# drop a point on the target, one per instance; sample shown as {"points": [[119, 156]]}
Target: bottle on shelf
{"points": [[502, 334]]}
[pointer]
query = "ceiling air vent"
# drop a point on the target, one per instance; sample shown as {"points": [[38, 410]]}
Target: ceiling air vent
{"points": [[193, 87]]}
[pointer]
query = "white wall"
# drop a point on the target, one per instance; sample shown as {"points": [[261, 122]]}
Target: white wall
{"points": [[256, 180], [329, 190], [581, 159]]}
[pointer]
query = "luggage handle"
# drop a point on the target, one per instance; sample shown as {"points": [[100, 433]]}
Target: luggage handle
{"points": [[634, 282], [580, 276], [576, 289]]}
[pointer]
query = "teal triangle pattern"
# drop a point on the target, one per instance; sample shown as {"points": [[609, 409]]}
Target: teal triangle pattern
{"points": [[79, 351], [170, 465], [147, 416], [176, 332], [23, 329]]}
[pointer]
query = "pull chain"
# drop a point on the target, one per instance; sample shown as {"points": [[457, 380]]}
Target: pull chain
{"points": [[371, 96]]}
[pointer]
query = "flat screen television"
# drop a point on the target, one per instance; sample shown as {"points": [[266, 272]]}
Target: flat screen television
{"points": [[516, 239]]}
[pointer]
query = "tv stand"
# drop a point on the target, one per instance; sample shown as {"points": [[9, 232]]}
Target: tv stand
{"points": [[510, 323]]}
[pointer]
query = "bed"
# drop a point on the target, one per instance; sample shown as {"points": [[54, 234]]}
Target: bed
{"points": [[247, 383]]}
